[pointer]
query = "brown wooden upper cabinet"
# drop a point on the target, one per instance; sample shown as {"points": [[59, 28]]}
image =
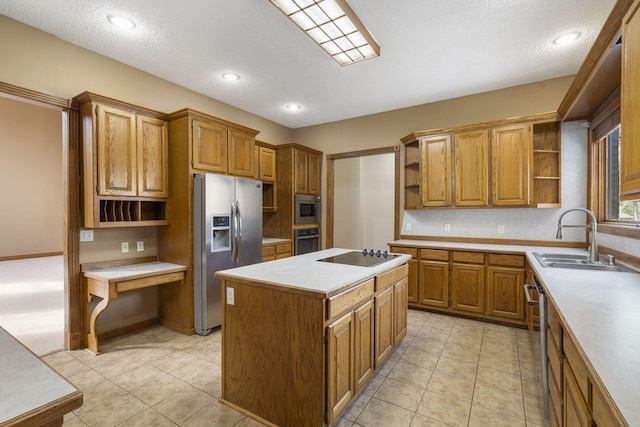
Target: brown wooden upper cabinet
{"points": [[125, 163], [510, 165], [630, 105], [306, 170], [218, 149], [436, 171], [484, 165], [132, 154], [267, 164], [471, 158]]}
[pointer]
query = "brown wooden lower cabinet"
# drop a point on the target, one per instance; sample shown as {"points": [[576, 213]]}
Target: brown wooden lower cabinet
{"points": [[277, 250], [482, 285], [306, 356], [468, 285], [576, 396]]}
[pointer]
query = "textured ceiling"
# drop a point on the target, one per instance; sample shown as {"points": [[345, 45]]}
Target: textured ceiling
{"points": [[430, 50]]}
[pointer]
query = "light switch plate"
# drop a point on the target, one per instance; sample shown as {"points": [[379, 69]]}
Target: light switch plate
{"points": [[125, 247], [140, 246]]}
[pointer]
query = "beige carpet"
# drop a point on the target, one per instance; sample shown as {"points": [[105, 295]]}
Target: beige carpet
{"points": [[32, 302]]}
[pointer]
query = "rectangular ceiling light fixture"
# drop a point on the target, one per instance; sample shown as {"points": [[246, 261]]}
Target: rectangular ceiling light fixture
{"points": [[334, 26]]}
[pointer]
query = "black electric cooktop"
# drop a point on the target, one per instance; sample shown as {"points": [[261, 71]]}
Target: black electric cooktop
{"points": [[360, 258]]}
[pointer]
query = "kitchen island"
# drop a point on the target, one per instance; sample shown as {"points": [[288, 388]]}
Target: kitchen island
{"points": [[302, 336]]}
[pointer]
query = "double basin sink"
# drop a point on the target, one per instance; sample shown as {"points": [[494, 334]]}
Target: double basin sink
{"points": [[576, 261]]}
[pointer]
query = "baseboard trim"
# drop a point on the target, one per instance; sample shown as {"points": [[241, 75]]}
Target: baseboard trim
{"points": [[126, 329], [40, 255]]}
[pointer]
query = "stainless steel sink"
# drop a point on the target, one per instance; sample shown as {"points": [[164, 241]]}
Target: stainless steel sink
{"points": [[575, 261]]}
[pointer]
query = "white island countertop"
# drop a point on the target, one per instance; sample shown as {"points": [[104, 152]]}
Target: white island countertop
{"points": [[32, 393], [307, 273], [601, 309]]}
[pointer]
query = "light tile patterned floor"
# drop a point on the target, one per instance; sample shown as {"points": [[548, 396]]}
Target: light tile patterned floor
{"points": [[448, 371]]}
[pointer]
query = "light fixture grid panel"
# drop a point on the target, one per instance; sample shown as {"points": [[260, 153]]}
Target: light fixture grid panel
{"points": [[343, 41]]}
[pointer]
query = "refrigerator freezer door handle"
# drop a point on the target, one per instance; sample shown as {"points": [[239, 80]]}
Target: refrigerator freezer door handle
{"points": [[239, 234], [234, 242]]}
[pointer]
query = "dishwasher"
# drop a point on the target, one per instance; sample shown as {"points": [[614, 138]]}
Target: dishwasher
{"points": [[541, 302]]}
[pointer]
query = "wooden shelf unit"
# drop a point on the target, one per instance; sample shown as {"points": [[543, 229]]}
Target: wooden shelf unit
{"points": [[412, 175], [546, 166], [129, 212]]}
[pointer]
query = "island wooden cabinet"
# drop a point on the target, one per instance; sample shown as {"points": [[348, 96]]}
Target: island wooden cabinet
{"points": [[350, 360], [125, 163], [327, 347], [361, 341], [630, 105], [506, 163], [340, 365], [384, 321]]}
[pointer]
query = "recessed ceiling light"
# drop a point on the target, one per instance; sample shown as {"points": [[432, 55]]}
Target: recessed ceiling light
{"points": [[567, 38], [121, 22], [232, 77], [293, 107]]}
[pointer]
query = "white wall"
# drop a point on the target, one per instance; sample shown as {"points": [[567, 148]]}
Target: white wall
{"points": [[519, 223], [364, 195]]}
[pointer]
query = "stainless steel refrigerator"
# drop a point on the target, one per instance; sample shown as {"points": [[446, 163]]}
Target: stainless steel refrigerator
{"points": [[227, 233]]}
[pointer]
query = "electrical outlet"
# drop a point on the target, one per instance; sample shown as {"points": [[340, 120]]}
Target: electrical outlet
{"points": [[140, 246], [408, 226], [447, 227], [86, 235], [231, 300], [125, 247], [501, 229]]}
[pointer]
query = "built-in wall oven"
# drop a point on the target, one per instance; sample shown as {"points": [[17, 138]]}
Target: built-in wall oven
{"points": [[541, 303], [307, 209], [306, 240]]}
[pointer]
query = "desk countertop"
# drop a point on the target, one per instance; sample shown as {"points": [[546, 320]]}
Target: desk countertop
{"points": [[134, 271]]}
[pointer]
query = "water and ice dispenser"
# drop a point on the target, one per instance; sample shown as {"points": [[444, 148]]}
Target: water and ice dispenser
{"points": [[220, 233]]}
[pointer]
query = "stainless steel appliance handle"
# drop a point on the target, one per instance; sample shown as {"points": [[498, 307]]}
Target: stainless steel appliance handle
{"points": [[528, 288], [313, 236], [234, 243], [239, 234]]}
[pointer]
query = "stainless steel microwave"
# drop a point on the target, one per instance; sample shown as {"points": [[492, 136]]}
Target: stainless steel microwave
{"points": [[307, 209]]}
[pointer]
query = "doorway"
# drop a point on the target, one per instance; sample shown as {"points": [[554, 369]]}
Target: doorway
{"points": [[33, 138], [362, 199]]}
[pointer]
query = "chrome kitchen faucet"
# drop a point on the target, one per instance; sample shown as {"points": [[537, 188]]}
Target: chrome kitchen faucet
{"points": [[593, 226]]}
